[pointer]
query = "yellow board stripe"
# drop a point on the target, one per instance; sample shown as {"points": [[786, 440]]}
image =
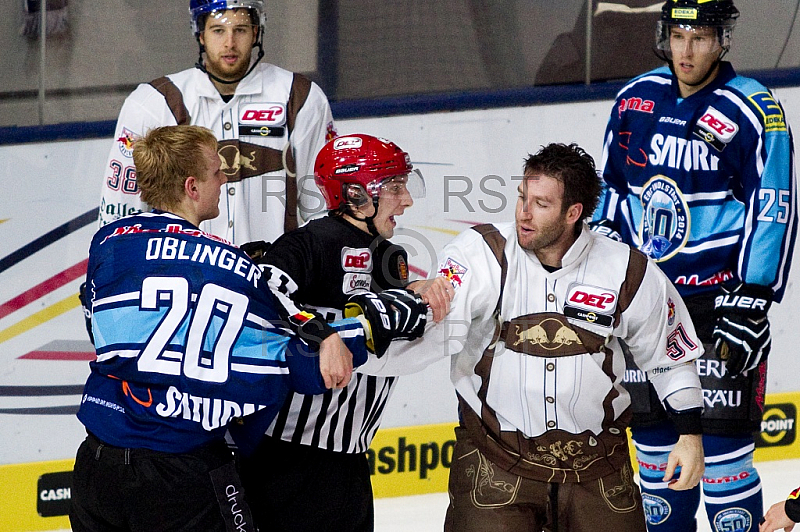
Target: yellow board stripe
{"points": [[44, 315], [403, 461], [19, 483]]}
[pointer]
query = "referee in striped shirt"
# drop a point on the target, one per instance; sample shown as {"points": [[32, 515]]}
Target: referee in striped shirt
{"points": [[310, 471]]}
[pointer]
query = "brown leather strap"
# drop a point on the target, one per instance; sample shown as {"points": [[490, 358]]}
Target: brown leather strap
{"points": [[483, 368], [497, 244], [301, 86], [174, 98], [637, 265]]}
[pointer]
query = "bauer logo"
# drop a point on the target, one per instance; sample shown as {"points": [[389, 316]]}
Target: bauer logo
{"points": [[348, 169], [777, 426], [54, 494], [263, 114]]}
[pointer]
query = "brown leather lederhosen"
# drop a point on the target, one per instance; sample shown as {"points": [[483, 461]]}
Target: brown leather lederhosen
{"points": [[555, 456]]}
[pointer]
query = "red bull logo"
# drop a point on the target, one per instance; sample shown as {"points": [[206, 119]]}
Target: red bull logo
{"points": [[232, 160], [330, 132], [537, 335], [125, 142], [453, 272]]}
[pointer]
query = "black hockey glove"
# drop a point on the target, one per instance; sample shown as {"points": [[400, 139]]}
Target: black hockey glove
{"points": [[87, 315], [741, 332], [256, 250], [604, 228], [391, 314]]}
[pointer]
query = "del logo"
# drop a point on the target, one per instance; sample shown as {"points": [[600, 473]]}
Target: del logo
{"points": [[356, 260], [636, 104], [718, 125], [263, 114], [777, 426], [346, 143], [592, 298]]}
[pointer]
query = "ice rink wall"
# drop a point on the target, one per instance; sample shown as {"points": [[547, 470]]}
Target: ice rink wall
{"points": [[471, 160]]}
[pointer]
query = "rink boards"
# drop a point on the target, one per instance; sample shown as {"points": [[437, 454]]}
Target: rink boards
{"points": [[404, 461]]}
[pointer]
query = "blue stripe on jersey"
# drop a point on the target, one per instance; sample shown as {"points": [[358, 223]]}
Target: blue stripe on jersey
{"points": [[260, 347]]}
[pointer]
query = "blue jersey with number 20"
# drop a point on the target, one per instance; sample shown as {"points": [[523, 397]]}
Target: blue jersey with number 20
{"points": [[187, 337]]}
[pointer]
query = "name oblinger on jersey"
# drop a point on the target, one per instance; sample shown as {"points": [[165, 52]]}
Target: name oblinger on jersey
{"points": [[171, 248]]}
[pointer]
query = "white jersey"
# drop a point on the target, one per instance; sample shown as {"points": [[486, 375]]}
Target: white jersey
{"points": [[555, 376], [253, 134]]}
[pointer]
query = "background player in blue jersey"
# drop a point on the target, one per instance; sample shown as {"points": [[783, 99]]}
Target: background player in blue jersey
{"points": [[699, 169], [188, 337]]}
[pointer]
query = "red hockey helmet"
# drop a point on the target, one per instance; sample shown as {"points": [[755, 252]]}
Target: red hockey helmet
{"points": [[358, 167]]}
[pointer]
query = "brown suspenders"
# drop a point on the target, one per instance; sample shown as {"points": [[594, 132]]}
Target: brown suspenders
{"points": [[270, 158]]}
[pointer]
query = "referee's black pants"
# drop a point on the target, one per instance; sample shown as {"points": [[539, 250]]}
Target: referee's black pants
{"points": [[298, 488]]}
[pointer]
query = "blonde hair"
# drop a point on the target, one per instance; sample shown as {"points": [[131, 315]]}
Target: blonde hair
{"points": [[165, 157]]}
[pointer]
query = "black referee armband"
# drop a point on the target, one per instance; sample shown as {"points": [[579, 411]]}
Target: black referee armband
{"points": [[792, 506], [256, 250], [686, 421]]}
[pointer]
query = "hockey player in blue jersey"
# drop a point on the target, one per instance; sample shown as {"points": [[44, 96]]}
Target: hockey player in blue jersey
{"points": [[188, 339], [699, 169]]}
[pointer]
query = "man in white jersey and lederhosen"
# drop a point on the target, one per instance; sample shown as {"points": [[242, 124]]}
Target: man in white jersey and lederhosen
{"points": [[534, 333]]}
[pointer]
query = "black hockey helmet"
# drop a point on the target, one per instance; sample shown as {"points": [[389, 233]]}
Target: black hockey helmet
{"points": [[719, 14], [699, 12]]}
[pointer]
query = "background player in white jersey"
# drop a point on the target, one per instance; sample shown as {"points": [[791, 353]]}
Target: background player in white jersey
{"points": [[310, 472], [541, 307], [188, 336], [699, 169], [270, 124]]}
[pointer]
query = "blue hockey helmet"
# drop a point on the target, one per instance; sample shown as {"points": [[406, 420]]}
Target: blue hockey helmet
{"points": [[200, 8]]}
